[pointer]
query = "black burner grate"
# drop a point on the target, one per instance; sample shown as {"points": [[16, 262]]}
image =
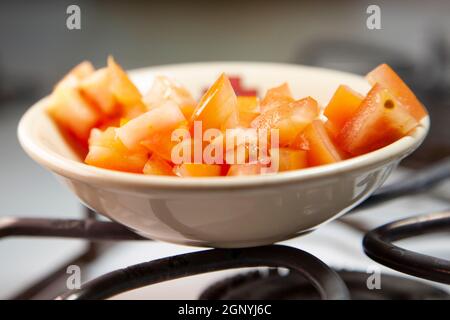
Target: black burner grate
{"points": [[257, 285], [309, 278]]}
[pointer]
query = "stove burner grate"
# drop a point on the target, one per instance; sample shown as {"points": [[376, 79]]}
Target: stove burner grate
{"points": [[257, 285], [378, 246], [327, 283]]}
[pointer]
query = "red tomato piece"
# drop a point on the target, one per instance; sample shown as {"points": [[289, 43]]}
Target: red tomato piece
{"points": [[157, 166], [276, 97], [341, 108], [321, 149], [218, 107], [107, 151], [380, 120], [290, 119], [386, 77]]}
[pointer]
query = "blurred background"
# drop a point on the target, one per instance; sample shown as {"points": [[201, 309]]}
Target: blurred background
{"points": [[37, 49]]}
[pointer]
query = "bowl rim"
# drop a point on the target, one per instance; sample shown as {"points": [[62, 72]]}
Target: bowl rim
{"points": [[80, 171]]}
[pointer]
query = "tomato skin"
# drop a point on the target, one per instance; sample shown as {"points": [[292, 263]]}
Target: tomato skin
{"points": [[107, 151], [321, 149], [386, 77], [342, 106], [380, 120], [290, 119], [218, 107]]}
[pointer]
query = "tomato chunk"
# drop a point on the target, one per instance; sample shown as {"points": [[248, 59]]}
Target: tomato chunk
{"points": [[381, 120], [165, 89], [157, 166], [247, 169], [107, 151], [386, 77], [218, 107], [249, 109], [125, 91], [290, 119], [159, 122], [341, 108], [276, 97], [285, 159], [72, 113], [197, 170], [321, 149], [74, 76], [97, 88]]}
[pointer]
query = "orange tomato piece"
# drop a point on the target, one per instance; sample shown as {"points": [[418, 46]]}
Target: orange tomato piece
{"points": [[286, 159], [380, 120], [247, 169], [249, 109], [341, 108], [157, 166], [386, 77], [107, 151], [276, 97], [125, 91], [72, 113], [321, 149], [290, 119], [218, 107], [197, 170], [151, 126], [97, 88], [165, 89], [77, 73], [248, 104]]}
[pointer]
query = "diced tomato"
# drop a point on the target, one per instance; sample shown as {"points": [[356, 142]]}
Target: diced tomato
{"points": [[239, 145], [78, 73], [165, 89], [107, 151], [249, 108], [197, 170], [386, 77], [380, 120], [72, 113], [246, 169], [157, 122], [97, 88], [248, 104], [285, 159], [341, 108], [290, 119], [218, 106], [321, 149], [125, 91], [276, 97], [157, 166]]}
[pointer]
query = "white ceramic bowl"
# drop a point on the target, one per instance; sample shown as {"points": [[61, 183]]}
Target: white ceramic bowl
{"points": [[223, 212]]}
